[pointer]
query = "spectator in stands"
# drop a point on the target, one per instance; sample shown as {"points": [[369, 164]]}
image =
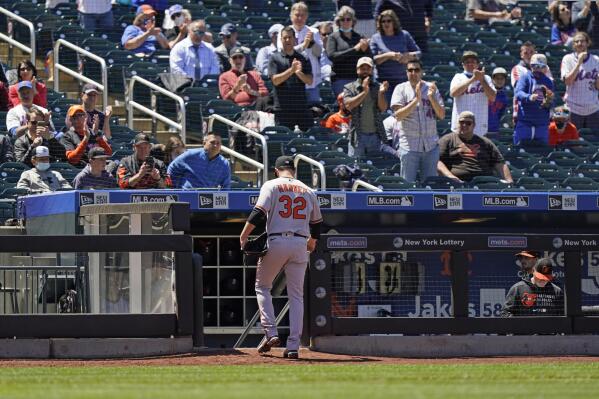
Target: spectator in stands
{"points": [[240, 85], [181, 19], [499, 105], [94, 176], [580, 72], [95, 15], [174, 147], [4, 102], [140, 170], [365, 99], [363, 8], [344, 48], [488, 11], [309, 44], [192, 56], [208, 38], [141, 37], [16, 118], [534, 93], [96, 120], [40, 179], [228, 34], [325, 29], [560, 128], [38, 134], [417, 104], [339, 121], [6, 149], [290, 73], [471, 91], [562, 30], [585, 17], [202, 167], [464, 155], [265, 52], [79, 139], [416, 17], [527, 49], [392, 48], [535, 295], [159, 5], [27, 71]]}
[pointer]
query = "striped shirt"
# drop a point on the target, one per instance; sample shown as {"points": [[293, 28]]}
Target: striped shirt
{"points": [[418, 130], [185, 58], [94, 6], [582, 96], [193, 169], [86, 181]]}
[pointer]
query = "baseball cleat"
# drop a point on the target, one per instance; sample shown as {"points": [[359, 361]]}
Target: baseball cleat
{"points": [[268, 343], [291, 354]]}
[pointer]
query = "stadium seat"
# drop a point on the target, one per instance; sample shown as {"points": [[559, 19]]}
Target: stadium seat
{"points": [[441, 183], [487, 183], [521, 159], [534, 184], [587, 170], [534, 147], [565, 159], [580, 184], [583, 149], [550, 172]]}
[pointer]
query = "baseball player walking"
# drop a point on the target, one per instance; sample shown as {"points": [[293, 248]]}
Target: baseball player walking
{"points": [[292, 216]]}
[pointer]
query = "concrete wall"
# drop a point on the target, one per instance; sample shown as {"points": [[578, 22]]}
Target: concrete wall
{"points": [[459, 346]]}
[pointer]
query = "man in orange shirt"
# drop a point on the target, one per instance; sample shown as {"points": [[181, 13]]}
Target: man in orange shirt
{"points": [[339, 121], [238, 85], [560, 128]]}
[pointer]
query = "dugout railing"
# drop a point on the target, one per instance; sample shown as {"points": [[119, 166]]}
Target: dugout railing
{"points": [[322, 296], [184, 320]]}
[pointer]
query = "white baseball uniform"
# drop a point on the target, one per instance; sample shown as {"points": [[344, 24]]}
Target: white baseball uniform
{"points": [[291, 207], [582, 97], [473, 100]]}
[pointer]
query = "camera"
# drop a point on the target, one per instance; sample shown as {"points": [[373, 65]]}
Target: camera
{"points": [[149, 161]]}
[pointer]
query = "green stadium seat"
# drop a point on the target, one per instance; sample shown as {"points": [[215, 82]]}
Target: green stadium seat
{"points": [[535, 184], [550, 172], [580, 184], [587, 170], [441, 183], [489, 183], [583, 149], [565, 159]]}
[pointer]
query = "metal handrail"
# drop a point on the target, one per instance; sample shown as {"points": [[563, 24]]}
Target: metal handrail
{"points": [[362, 183], [323, 177], [13, 42], [248, 132], [131, 104], [58, 67], [240, 156]]}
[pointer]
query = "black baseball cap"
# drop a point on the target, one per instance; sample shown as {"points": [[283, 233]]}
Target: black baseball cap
{"points": [[284, 161], [97, 152], [142, 138], [236, 51]]}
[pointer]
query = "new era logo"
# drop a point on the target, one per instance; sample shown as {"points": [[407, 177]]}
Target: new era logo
{"points": [[450, 201], [206, 200], [214, 201]]}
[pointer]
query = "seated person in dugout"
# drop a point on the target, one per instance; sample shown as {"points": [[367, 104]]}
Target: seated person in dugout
{"points": [[536, 294]]}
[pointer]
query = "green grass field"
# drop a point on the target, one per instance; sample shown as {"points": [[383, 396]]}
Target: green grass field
{"points": [[522, 380]]}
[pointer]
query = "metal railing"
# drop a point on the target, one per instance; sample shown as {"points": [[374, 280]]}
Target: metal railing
{"points": [[248, 132], [131, 105], [241, 157], [29, 50], [30, 289], [59, 67], [323, 176], [362, 183]]}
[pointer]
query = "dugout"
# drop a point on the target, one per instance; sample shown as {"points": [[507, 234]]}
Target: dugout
{"points": [[509, 220]]}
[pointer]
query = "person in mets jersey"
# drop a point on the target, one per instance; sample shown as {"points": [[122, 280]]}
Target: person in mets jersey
{"points": [[291, 212]]}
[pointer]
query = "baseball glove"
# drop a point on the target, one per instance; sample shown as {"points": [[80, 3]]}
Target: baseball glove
{"points": [[254, 249]]}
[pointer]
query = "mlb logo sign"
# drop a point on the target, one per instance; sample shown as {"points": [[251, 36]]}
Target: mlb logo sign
{"points": [[447, 201], [567, 202], [213, 201]]}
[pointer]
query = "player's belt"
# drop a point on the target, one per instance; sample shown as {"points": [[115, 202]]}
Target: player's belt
{"points": [[287, 234]]}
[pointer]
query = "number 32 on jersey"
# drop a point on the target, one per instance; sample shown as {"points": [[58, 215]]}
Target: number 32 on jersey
{"points": [[292, 207]]}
